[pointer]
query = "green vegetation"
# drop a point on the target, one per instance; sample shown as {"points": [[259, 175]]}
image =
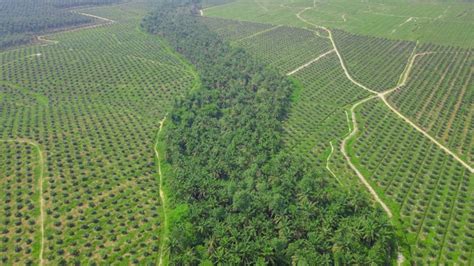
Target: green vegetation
{"points": [[431, 190], [375, 62], [427, 190], [234, 30], [273, 132], [21, 19], [443, 22], [247, 200], [283, 48], [93, 101], [325, 104], [20, 212], [286, 48], [439, 96]]}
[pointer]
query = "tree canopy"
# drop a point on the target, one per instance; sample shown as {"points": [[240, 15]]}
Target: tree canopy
{"points": [[242, 200]]}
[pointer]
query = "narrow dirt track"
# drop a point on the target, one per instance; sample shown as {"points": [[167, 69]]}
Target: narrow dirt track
{"points": [[164, 235], [309, 63], [42, 161], [382, 95], [258, 33], [327, 164], [355, 129], [43, 38], [406, 73], [346, 72], [444, 148], [400, 256], [94, 16], [402, 82], [349, 129]]}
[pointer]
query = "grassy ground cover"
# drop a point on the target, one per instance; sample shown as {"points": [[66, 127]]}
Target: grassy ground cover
{"points": [[400, 163], [375, 62], [234, 30], [286, 48], [446, 22], [94, 101], [429, 188], [19, 222], [318, 116], [21, 20], [439, 96]]}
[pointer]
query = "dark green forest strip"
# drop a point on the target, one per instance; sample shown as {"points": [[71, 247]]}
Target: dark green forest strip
{"points": [[237, 197]]}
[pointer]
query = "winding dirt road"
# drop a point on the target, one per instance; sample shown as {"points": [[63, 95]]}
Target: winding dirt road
{"points": [[346, 72], [382, 95], [43, 38], [355, 129], [400, 257], [327, 164]]}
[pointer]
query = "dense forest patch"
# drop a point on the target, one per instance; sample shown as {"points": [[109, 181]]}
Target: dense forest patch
{"points": [[241, 198]]}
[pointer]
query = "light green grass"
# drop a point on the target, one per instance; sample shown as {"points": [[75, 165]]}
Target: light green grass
{"points": [[387, 151], [16, 181], [94, 100], [446, 23], [420, 182], [440, 96]]}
